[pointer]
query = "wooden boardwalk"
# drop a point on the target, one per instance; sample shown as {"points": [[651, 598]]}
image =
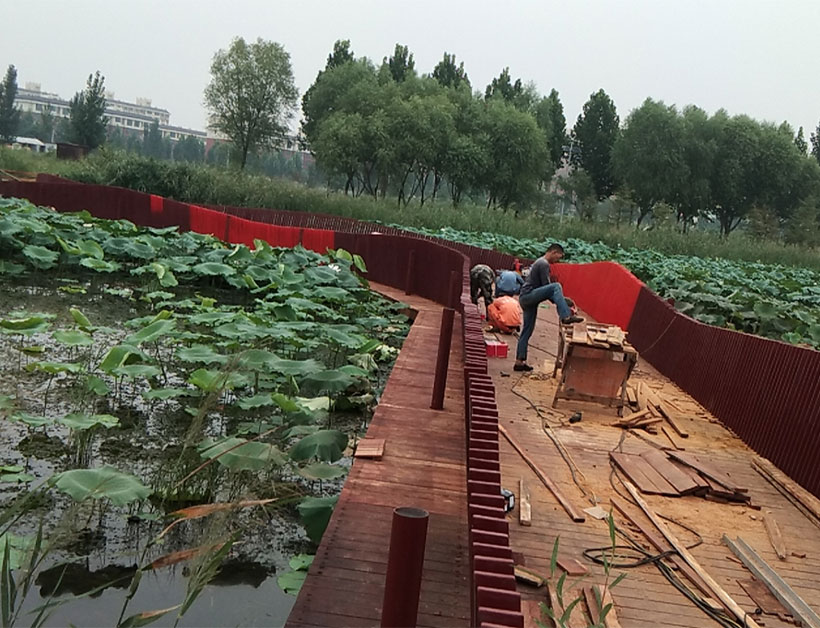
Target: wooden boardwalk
{"points": [[424, 466], [644, 598]]}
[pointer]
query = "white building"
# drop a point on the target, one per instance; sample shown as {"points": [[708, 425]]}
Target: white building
{"points": [[134, 117]]}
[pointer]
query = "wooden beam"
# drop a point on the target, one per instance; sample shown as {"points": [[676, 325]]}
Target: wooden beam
{"points": [[776, 539], [782, 591], [546, 481], [671, 440], [724, 597], [524, 504], [671, 418], [804, 501]]}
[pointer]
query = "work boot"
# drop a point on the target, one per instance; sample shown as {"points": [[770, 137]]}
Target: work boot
{"points": [[571, 320]]}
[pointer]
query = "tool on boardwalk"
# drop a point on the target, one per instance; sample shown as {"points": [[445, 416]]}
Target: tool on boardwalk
{"points": [[567, 505], [576, 418], [595, 363], [509, 500], [782, 591], [716, 589]]}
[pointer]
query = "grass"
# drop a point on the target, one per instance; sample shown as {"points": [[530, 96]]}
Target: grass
{"points": [[205, 184]]}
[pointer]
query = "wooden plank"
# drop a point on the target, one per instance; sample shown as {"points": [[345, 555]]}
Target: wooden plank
{"points": [[776, 539], [529, 577], [642, 401], [724, 597], [762, 597], [369, 448], [670, 416], [679, 480], [574, 514], [592, 605], [524, 504], [630, 418], [707, 470], [572, 566], [611, 618], [804, 501], [631, 395], [671, 440], [780, 589], [642, 474]]}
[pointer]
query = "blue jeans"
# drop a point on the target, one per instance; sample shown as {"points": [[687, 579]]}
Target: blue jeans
{"points": [[529, 305]]}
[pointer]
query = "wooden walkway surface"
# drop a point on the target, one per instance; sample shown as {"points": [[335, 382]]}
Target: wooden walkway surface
{"points": [[644, 598], [424, 466]]}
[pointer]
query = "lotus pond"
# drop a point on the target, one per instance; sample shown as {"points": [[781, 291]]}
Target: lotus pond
{"points": [[177, 418]]}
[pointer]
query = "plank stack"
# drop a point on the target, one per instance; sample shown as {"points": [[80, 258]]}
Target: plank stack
{"points": [[677, 473]]}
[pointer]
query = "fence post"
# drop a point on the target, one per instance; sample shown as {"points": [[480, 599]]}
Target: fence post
{"points": [[402, 586], [411, 269], [452, 297], [443, 359]]}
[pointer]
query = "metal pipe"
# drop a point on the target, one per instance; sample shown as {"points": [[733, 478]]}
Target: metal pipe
{"points": [[443, 360], [405, 561]]}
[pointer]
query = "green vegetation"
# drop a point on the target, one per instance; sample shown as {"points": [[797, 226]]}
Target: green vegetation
{"points": [[198, 379], [765, 299]]}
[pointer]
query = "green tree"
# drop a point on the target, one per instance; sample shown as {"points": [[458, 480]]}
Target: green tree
{"points": [[693, 195], [449, 74], [595, 131], [190, 149], [87, 113], [803, 227], [648, 155], [251, 95], [503, 87], [800, 142], [549, 114], [815, 143], [341, 54], [152, 144], [579, 190], [401, 64], [9, 114]]}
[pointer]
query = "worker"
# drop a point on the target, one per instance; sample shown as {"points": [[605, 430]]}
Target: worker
{"points": [[508, 283], [504, 314], [482, 278], [538, 288]]}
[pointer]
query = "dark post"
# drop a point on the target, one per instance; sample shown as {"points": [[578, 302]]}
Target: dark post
{"points": [[453, 297], [443, 360], [405, 561], [411, 269]]}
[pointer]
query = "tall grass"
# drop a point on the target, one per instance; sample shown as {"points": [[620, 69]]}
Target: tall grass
{"points": [[206, 184]]}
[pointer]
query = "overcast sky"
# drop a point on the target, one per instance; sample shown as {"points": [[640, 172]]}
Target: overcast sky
{"points": [[748, 56]]}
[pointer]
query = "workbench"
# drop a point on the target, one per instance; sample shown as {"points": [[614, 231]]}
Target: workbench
{"points": [[591, 370]]}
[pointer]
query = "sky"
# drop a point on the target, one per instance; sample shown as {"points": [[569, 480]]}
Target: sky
{"points": [[755, 57]]}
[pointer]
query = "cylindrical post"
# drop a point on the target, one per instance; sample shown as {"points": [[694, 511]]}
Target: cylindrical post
{"points": [[411, 270], [443, 360], [405, 561]]}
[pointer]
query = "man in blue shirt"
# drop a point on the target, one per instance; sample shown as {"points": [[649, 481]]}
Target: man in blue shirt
{"points": [[508, 284], [537, 289]]}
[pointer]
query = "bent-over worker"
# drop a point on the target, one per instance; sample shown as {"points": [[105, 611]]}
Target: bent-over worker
{"points": [[482, 279], [508, 284]]}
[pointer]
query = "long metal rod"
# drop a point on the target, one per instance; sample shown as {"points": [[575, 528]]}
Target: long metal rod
{"points": [[779, 588]]}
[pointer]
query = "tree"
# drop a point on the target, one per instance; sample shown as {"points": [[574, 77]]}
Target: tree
{"points": [[9, 114], [579, 187], [341, 54], [449, 74], [152, 144], [803, 228], [401, 64], [87, 113], [191, 149], [648, 155], [503, 87], [595, 131], [800, 142], [251, 96], [815, 143], [46, 126], [549, 114]]}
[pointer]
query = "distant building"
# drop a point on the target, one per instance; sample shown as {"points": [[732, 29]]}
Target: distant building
{"points": [[129, 117], [32, 144]]}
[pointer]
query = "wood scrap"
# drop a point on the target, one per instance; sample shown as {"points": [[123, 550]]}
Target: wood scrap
{"points": [[762, 597], [775, 538], [630, 418], [370, 448], [576, 617], [643, 403], [545, 480], [631, 395], [679, 480], [594, 605], [529, 577], [724, 597], [804, 501], [611, 618], [708, 470], [524, 504], [670, 439], [660, 545], [615, 336], [579, 333], [572, 566], [671, 418], [642, 474], [779, 588]]}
